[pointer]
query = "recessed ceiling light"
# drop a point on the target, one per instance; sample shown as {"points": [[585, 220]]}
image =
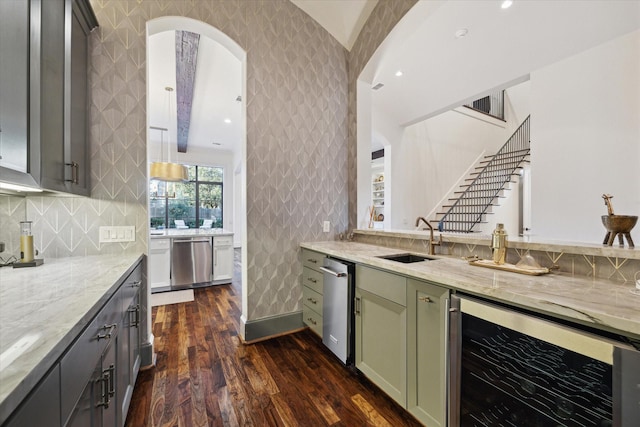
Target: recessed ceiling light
{"points": [[462, 32], [506, 4], [378, 86], [227, 120], [398, 73], [215, 143]]}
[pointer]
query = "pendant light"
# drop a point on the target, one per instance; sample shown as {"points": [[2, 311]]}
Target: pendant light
{"points": [[167, 171]]}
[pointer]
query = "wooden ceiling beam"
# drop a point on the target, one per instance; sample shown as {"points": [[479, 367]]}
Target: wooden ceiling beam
{"points": [[186, 60]]}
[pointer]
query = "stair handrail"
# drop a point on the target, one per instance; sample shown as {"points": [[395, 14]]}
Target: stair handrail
{"points": [[521, 139]]}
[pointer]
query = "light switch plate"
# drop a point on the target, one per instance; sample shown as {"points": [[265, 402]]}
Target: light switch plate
{"points": [[113, 234], [326, 226]]}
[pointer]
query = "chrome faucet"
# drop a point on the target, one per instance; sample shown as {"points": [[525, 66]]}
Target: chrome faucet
{"points": [[432, 243]]}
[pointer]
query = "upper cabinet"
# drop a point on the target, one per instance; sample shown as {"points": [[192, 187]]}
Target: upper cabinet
{"points": [[44, 105]]}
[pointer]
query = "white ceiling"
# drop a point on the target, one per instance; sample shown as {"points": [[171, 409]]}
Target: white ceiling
{"points": [[343, 19], [218, 83], [501, 48]]}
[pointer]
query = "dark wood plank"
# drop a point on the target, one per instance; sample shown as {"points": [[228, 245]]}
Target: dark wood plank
{"points": [[205, 376]]}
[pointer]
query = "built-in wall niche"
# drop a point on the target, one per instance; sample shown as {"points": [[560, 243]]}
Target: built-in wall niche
{"points": [[377, 193]]}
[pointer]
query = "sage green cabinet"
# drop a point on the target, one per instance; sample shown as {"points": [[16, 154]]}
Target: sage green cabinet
{"points": [[312, 290], [381, 330], [427, 311]]}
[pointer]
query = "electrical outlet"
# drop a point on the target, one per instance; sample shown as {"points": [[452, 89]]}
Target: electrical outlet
{"points": [[126, 233], [326, 226]]}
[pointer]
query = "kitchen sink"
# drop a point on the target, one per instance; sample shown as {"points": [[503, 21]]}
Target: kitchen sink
{"points": [[406, 258]]}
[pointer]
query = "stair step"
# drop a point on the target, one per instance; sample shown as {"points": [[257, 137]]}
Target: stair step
{"points": [[457, 221], [493, 179], [451, 230], [480, 191]]}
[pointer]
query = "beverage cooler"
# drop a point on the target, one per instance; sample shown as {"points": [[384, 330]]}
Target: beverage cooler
{"points": [[510, 368]]}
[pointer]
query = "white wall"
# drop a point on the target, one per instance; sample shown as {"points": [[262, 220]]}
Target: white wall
{"points": [[585, 135], [430, 159]]}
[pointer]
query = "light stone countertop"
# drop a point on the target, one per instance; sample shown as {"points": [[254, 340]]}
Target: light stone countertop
{"points": [[43, 309], [600, 303], [532, 242], [173, 233]]}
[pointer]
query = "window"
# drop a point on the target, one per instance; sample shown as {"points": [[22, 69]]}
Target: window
{"points": [[194, 201]]}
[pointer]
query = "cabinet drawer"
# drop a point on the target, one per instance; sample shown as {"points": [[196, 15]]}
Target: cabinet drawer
{"points": [[223, 241], [312, 259], [130, 287], [312, 299], [312, 279], [312, 319], [386, 285]]}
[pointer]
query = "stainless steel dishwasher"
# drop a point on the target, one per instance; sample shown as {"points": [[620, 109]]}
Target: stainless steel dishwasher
{"points": [[337, 308], [190, 262]]}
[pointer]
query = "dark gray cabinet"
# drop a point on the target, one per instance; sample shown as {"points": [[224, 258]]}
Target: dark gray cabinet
{"points": [[42, 407], [44, 101], [92, 383]]}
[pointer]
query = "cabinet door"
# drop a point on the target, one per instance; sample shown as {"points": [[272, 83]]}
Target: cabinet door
{"points": [[52, 92], [223, 263], [427, 312], [108, 397], [77, 105], [14, 85], [86, 413], [42, 407], [381, 328]]}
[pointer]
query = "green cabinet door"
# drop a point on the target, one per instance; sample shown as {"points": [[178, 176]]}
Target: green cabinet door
{"points": [[381, 331], [427, 311]]}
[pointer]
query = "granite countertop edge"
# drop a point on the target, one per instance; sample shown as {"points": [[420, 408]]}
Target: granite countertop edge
{"points": [[604, 304], [17, 381]]}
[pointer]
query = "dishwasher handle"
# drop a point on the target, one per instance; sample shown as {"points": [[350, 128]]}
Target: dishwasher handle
{"points": [[333, 273], [191, 240]]}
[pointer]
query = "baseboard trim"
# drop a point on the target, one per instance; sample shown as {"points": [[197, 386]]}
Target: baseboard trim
{"points": [[269, 327]]}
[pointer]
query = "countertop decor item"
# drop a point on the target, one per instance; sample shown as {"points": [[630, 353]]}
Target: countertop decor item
{"points": [[617, 225], [514, 268]]}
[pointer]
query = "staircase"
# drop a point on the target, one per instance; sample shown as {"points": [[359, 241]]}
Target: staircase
{"points": [[486, 185]]}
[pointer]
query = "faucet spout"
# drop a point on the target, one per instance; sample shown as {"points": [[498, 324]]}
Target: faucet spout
{"points": [[432, 243]]}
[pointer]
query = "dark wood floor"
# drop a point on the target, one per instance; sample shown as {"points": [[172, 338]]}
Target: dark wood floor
{"points": [[205, 376]]}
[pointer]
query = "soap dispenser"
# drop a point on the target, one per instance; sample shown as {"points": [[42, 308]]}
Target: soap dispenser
{"points": [[499, 244]]}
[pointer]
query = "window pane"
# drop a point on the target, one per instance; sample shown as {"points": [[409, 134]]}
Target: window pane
{"points": [[211, 203], [157, 191], [209, 174], [182, 207], [191, 171]]}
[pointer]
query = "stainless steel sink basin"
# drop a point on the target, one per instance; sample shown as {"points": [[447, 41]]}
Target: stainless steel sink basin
{"points": [[406, 258]]}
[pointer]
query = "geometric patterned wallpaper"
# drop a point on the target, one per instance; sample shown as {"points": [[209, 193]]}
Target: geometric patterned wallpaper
{"points": [[300, 136], [296, 139]]}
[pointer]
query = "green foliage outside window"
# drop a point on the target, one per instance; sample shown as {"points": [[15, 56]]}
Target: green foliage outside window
{"points": [[171, 201]]}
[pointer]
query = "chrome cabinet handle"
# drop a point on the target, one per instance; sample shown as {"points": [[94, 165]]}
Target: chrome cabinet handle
{"points": [[312, 280], [136, 284], [424, 299], [333, 273], [136, 311], [357, 305], [315, 261], [107, 386], [312, 321], [107, 335], [112, 380], [74, 172], [313, 301]]}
